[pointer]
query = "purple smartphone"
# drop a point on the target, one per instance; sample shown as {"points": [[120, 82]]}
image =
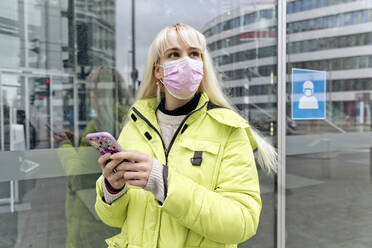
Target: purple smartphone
{"points": [[104, 142]]}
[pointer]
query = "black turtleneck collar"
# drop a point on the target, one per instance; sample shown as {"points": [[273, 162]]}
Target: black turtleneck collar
{"points": [[182, 110]]}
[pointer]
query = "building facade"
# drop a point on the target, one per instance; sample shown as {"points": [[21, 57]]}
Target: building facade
{"points": [[333, 36]]}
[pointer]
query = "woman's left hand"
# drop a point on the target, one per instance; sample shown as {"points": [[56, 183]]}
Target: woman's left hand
{"points": [[137, 166]]}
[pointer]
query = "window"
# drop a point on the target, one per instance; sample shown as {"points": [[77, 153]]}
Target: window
{"points": [[307, 5], [295, 27], [366, 84], [354, 62], [214, 30], [227, 25], [347, 19], [319, 23], [352, 40], [219, 28], [224, 43], [327, 21], [246, 55], [348, 63], [306, 46], [301, 27], [269, 14], [336, 64], [370, 61], [364, 16], [314, 45], [296, 47], [290, 7], [208, 33], [219, 44], [311, 25], [250, 18], [323, 3], [338, 20], [363, 62], [314, 4], [333, 21], [289, 28], [236, 22], [298, 5], [235, 40], [356, 17]]}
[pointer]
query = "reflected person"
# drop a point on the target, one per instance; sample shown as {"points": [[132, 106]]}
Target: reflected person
{"points": [[108, 105]]}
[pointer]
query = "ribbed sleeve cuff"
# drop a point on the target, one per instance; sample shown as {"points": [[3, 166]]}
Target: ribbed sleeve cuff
{"points": [[111, 197], [155, 183]]}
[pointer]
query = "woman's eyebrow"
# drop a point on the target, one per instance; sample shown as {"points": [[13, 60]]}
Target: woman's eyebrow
{"points": [[178, 49], [172, 49]]}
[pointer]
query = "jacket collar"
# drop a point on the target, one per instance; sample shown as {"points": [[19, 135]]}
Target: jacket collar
{"points": [[231, 118], [148, 105]]}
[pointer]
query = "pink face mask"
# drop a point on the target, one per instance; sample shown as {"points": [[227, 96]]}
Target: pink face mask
{"points": [[182, 77]]}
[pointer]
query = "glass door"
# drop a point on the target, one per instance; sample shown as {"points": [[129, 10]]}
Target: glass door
{"points": [[40, 110], [13, 113], [329, 61]]}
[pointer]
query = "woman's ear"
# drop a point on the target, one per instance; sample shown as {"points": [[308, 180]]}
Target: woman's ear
{"points": [[158, 72]]}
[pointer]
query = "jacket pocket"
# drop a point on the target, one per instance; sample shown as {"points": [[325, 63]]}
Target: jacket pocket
{"points": [[199, 160]]}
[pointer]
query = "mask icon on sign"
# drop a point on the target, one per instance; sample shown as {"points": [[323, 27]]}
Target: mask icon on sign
{"points": [[308, 100]]}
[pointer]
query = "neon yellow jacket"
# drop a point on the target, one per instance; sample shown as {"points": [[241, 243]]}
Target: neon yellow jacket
{"points": [[214, 204]]}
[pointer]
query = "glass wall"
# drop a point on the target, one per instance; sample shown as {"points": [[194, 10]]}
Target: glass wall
{"points": [[66, 69], [328, 161], [58, 81]]}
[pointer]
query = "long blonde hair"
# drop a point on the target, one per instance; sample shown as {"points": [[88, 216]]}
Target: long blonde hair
{"points": [[267, 156]]}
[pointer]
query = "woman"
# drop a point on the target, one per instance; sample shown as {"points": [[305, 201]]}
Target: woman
{"points": [[188, 176]]}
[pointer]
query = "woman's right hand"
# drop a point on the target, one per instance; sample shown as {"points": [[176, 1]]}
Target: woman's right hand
{"points": [[115, 178]]}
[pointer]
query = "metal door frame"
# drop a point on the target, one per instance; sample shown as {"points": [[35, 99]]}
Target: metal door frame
{"points": [[281, 176]]}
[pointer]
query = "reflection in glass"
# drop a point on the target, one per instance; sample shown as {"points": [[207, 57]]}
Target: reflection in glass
{"points": [[57, 65], [108, 107]]}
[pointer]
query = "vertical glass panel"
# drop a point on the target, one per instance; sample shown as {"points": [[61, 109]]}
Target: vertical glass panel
{"points": [[63, 105], [40, 109], [10, 41], [13, 112], [47, 33], [246, 62], [58, 82], [329, 158]]}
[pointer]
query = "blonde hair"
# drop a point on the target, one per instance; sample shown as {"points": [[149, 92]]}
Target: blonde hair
{"points": [[267, 156]]}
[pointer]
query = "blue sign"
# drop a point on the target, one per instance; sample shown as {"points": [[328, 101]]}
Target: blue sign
{"points": [[308, 94]]}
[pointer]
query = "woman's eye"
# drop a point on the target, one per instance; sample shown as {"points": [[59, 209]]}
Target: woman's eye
{"points": [[195, 54], [172, 55]]}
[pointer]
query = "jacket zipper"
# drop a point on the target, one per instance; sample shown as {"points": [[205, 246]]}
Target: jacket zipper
{"points": [[152, 126], [166, 151]]}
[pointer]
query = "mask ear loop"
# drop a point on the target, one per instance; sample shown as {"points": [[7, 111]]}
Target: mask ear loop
{"points": [[158, 96]]}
